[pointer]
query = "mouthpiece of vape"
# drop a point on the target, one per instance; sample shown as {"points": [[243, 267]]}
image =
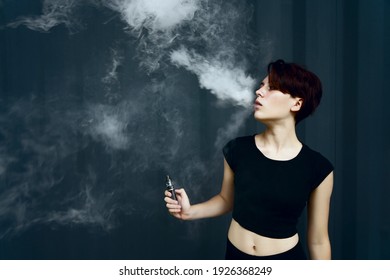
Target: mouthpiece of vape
{"points": [[168, 182], [170, 187]]}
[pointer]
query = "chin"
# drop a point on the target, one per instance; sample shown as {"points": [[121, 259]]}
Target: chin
{"points": [[258, 118], [257, 115], [262, 119]]}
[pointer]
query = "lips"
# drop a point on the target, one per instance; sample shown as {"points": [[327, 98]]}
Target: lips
{"points": [[258, 103], [257, 106]]}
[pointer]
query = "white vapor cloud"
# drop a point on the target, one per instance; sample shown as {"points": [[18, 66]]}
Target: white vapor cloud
{"points": [[156, 25], [108, 124], [227, 82], [155, 15]]}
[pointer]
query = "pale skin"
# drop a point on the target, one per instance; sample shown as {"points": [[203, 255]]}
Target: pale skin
{"points": [[278, 142]]}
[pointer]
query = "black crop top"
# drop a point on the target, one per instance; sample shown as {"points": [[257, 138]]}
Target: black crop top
{"points": [[270, 195]]}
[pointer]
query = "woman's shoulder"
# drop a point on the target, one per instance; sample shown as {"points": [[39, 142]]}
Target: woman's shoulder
{"points": [[242, 139], [310, 151], [237, 147], [316, 157]]}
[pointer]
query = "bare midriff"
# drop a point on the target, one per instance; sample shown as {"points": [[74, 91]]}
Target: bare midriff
{"points": [[258, 245]]}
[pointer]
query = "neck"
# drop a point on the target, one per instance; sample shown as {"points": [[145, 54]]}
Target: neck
{"points": [[279, 137]]}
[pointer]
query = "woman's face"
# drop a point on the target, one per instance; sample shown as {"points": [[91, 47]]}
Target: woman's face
{"points": [[273, 105]]}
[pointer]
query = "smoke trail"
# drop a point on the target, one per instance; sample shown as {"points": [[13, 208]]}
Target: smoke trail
{"points": [[54, 12], [112, 74], [235, 123], [217, 30], [111, 80], [35, 164], [165, 25], [33, 172], [95, 208]]}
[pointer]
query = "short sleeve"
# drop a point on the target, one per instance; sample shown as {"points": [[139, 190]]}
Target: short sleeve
{"points": [[229, 153], [323, 167]]}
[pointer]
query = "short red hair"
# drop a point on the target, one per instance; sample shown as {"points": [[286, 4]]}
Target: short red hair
{"points": [[295, 80]]}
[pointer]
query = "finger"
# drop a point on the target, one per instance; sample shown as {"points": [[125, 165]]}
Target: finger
{"points": [[170, 200], [172, 206], [181, 190], [174, 211]]}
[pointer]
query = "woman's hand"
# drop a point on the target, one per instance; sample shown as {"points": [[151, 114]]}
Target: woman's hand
{"points": [[218, 205], [179, 208]]}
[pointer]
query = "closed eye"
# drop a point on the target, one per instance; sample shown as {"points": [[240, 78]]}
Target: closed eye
{"points": [[268, 87]]}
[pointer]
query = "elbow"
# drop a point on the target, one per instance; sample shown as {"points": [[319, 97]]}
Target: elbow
{"points": [[319, 248], [227, 204], [318, 241]]}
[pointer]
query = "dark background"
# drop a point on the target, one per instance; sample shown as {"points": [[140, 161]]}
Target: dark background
{"points": [[93, 115]]}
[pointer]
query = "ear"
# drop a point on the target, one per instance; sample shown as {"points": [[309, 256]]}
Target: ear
{"points": [[297, 105]]}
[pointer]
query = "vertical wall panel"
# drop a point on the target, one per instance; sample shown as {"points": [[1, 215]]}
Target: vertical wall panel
{"points": [[370, 129], [323, 44], [348, 126], [385, 185]]}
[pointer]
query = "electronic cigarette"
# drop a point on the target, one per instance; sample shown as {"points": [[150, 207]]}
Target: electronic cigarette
{"points": [[170, 187]]}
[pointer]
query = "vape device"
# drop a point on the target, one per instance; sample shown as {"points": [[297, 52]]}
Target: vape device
{"points": [[170, 187]]}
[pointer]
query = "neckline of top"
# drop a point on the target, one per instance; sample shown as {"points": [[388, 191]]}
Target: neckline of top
{"points": [[276, 160]]}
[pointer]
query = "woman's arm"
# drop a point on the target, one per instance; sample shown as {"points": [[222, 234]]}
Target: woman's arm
{"points": [[317, 220], [217, 205]]}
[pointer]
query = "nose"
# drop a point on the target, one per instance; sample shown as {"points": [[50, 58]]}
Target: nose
{"points": [[260, 92]]}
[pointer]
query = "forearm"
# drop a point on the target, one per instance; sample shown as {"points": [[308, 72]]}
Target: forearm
{"points": [[317, 221], [213, 207]]}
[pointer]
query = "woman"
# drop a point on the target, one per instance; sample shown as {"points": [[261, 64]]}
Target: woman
{"points": [[270, 177]]}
